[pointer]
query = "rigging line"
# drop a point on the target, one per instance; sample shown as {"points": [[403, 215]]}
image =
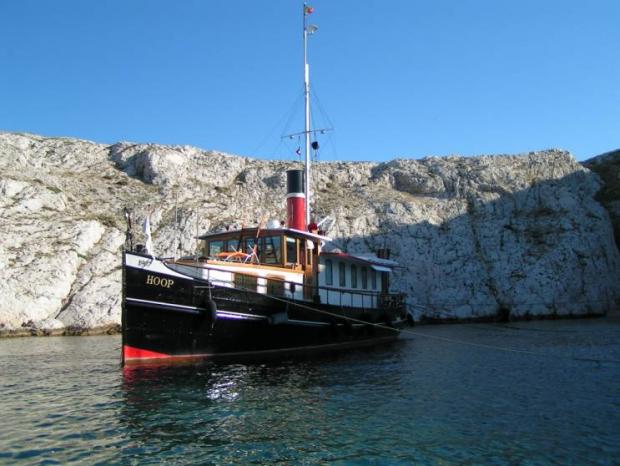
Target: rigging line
{"points": [[291, 145], [281, 152], [276, 150], [287, 116], [292, 112], [504, 326], [448, 340], [321, 109], [490, 303], [296, 109], [331, 141]]}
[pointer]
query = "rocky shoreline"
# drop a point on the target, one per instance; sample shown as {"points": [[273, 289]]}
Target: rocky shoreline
{"points": [[30, 331], [479, 238]]}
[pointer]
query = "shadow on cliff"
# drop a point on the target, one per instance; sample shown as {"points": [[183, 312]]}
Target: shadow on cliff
{"points": [[545, 251], [607, 167]]}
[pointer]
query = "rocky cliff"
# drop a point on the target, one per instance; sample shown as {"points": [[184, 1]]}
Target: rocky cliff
{"points": [[510, 236], [607, 166]]}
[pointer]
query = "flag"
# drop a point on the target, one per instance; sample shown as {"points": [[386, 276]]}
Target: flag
{"points": [[308, 10]]}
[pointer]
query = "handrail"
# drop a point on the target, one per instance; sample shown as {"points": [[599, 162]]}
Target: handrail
{"points": [[381, 297]]}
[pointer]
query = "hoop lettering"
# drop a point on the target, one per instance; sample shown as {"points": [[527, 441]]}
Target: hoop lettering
{"points": [[157, 281]]}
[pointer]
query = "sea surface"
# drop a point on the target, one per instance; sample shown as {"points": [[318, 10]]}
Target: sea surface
{"points": [[432, 398]]}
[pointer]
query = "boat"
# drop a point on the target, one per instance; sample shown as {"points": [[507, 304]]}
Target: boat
{"points": [[262, 292]]}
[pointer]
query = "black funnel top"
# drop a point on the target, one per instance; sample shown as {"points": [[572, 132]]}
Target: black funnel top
{"points": [[294, 181]]}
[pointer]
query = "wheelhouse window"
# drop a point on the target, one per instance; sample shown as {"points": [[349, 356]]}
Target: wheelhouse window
{"points": [[215, 247], [329, 272], [250, 244], [353, 276], [271, 252], [364, 278], [342, 276], [291, 250], [373, 279]]}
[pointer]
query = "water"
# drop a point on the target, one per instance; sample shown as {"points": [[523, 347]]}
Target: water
{"points": [[420, 401]]}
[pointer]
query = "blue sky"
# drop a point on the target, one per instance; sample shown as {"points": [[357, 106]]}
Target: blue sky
{"points": [[404, 78]]}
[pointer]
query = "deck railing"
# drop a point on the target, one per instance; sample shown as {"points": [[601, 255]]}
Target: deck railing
{"points": [[345, 298]]}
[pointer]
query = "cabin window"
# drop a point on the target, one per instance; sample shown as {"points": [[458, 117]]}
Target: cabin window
{"points": [[231, 245], [275, 287], [353, 276], [364, 278], [215, 247], [291, 250], [385, 281], [342, 276], [271, 252], [245, 282], [373, 279], [329, 272]]}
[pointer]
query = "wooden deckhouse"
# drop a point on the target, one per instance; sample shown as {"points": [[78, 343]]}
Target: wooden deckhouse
{"points": [[290, 263]]}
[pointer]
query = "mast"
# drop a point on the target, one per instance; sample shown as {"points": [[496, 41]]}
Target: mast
{"points": [[306, 11]]}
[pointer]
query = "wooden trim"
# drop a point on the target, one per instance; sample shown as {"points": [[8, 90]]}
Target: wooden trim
{"points": [[266, 267]]}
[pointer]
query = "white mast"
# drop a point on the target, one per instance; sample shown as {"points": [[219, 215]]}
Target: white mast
{"points": [[307, 110]]}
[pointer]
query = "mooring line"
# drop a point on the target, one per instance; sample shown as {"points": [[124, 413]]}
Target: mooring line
{"points": [[445, 339]]}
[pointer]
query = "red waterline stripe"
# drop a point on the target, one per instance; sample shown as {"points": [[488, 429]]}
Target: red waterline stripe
{"points": [[151, 357], [129, 352]]}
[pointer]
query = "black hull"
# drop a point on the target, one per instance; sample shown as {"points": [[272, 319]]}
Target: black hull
{"points": [[169, 317]]}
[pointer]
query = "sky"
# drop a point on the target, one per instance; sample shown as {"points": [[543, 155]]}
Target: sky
{"points": [[393, 78]]}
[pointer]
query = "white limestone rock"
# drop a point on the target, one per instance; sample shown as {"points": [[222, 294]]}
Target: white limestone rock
{"points": [[48, 326], [95, 298], [476, 237]]}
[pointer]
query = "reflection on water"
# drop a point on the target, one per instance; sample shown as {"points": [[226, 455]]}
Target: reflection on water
{"points": [[262, 413], [423, 401]]}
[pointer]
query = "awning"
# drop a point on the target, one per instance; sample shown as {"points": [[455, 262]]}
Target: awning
{"points": [[380, 268]]}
